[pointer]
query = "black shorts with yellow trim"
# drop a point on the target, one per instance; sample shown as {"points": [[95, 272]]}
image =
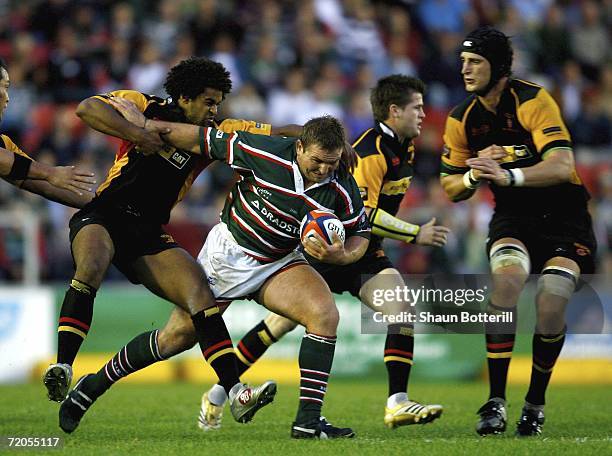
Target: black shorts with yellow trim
{"points": [[131, 235], [352, 276], [549, 235]]}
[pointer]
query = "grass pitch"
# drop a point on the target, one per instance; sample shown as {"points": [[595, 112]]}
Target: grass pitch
{"points": [[161, 419]]}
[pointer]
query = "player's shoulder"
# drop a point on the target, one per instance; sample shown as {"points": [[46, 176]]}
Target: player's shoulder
{"points": [[525, 90], [280, 146], [7, 143], [368, 143], [459, 111]]}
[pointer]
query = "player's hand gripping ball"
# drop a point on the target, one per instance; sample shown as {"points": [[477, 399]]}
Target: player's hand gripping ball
{"points": [[324, 224]]}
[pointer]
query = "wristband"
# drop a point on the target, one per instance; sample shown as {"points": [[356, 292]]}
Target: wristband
{"points": [[385, 225], [469, 181], [20, 168], [517, 177]]}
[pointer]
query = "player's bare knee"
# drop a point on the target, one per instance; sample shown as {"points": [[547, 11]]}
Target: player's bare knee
{"points": [[92, 270], [323, 315], [507, 288], [197, 297]]}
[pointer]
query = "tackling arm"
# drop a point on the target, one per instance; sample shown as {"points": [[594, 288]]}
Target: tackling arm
{"points": [[59, 195]]}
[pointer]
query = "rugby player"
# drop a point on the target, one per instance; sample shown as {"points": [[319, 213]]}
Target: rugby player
{"points": [[123, 224], [251, 254], [383, 173], [510, 133]]}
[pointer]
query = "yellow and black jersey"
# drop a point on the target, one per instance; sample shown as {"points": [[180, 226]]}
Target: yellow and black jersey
{"points": [[384, 170], [8, 144], [150, 186], [528, 125]]}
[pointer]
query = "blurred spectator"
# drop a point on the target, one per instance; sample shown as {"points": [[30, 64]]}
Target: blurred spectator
{"points": [[69, 76], [148, 73], [291, 60], [162, 30], [591, 40], [443, 15], [291, 103], [592, 127], [553, 41], [571, 88]]}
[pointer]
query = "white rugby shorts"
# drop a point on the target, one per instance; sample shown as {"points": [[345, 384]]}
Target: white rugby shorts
{"points": [[232, 274]]}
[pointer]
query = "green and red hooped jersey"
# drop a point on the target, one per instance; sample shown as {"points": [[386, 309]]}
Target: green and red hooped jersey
{"points": [[264, 209]]}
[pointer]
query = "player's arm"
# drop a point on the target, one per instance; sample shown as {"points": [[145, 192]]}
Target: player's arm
{"points": [[556, 167], [59, 195], [351, 212], [457, 179], [291, 130], [16, 166], [99, 114], [386, 225], [542, 117]]}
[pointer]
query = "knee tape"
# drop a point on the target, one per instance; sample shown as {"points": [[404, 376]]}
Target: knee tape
{"points": [[507, 255], [558, 281]]}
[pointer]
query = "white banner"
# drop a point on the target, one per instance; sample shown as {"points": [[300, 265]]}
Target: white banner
{"points": [[26, 319]]}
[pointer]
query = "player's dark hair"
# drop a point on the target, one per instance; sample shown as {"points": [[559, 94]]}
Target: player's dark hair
{"points": [[325, 131], [494, 46], [396, 89], [191, 77]]}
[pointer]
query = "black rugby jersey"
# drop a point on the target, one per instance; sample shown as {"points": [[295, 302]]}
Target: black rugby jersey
{"points": [[384, 171], [528, 125], [150, 186], [8, 144]]}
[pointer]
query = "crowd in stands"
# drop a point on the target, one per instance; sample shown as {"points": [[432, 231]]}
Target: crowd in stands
{"points": [[291, 60]]}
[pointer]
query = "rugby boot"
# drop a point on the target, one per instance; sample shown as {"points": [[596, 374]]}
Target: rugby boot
{"points": [[492, 418], [320, 429], [245, 402], [210, 414], [411, 412], [57, 379], [74, 406], [530, 423]]}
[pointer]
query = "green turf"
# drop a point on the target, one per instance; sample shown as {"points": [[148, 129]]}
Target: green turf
{"points": [[160, 419]]}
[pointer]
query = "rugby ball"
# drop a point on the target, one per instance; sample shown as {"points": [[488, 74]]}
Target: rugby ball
{"points": [[323, 223]]}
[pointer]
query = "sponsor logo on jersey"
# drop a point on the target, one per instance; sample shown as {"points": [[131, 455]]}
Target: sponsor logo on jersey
{"points": [[398, 187], [515, 153], [264, 193], [582, 250], [274, 220], [176, 157]]}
